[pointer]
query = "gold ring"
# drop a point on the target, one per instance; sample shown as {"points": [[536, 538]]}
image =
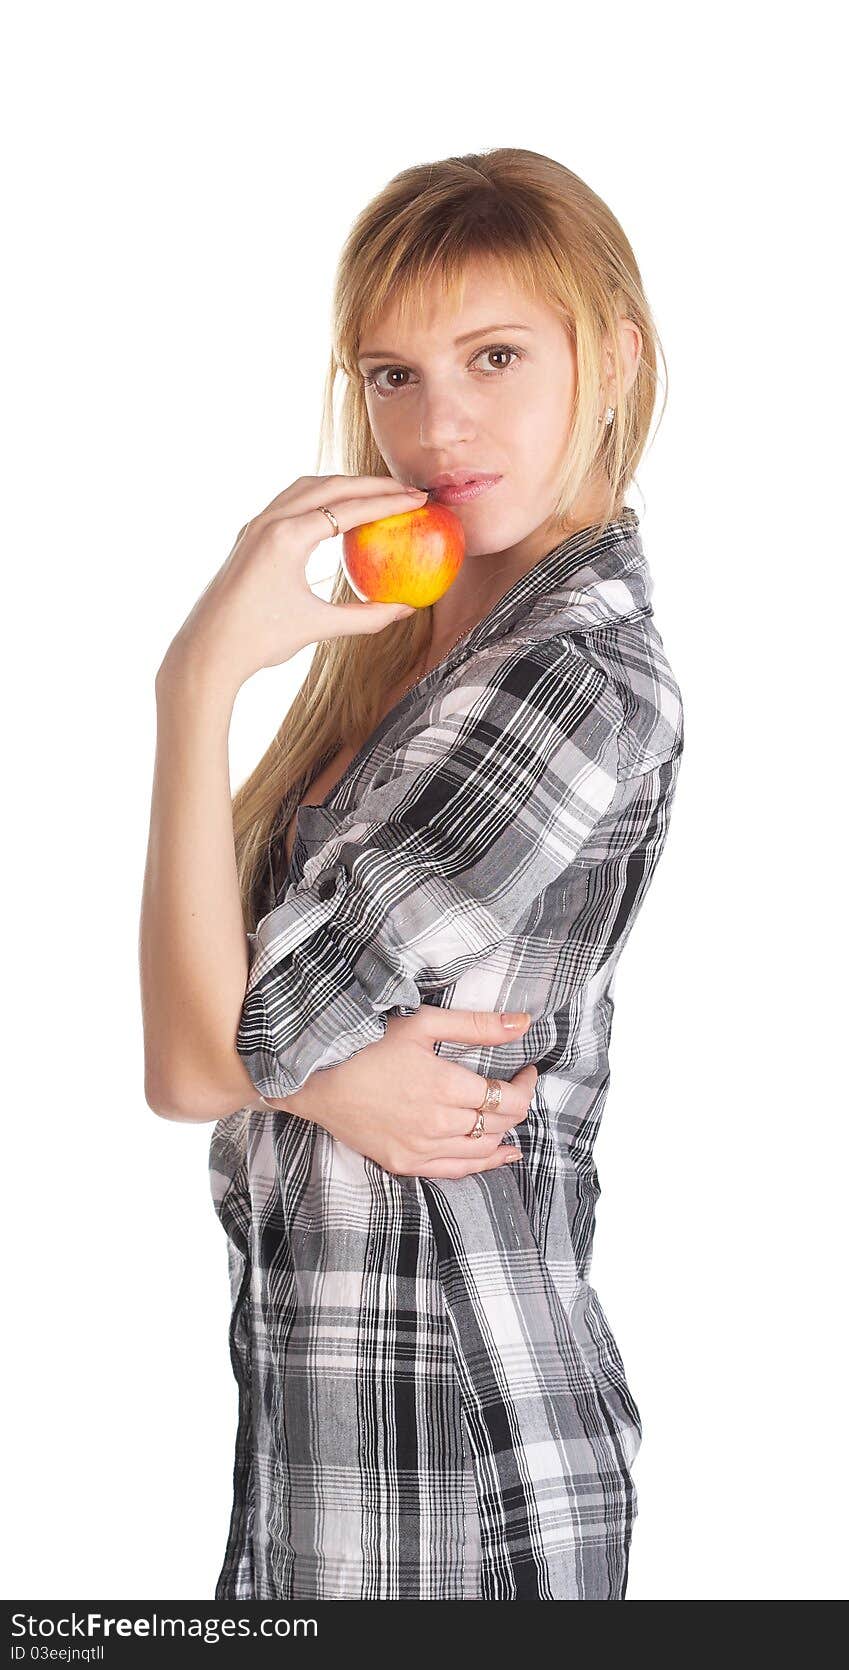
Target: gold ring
{"points": [[492, 1099]]}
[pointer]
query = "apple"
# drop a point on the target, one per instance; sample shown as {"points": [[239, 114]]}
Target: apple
{"points": [[409, 558]]}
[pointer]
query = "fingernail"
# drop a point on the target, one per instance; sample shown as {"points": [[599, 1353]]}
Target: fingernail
{"points": [[515, 1019]]}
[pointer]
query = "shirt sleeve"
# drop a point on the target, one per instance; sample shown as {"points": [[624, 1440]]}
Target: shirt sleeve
{"points": [[443, 858]]}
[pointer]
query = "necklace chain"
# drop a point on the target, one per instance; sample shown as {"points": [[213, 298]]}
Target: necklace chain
{"points": [[417, 680]]}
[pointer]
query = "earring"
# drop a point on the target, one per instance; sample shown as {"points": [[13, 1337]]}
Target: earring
{"points": [[608, 416]]}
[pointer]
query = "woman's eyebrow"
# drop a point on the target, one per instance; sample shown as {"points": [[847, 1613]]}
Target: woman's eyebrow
{"points": [[482, 330]]}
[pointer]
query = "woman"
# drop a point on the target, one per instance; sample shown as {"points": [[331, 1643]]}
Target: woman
{"points": [[432, 1403]]}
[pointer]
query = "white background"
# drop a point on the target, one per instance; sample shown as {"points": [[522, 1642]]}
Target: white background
{"points": [[178, 181]]}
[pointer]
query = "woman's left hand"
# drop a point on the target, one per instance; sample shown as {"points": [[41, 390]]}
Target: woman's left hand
{"points": [[412, 1111]]}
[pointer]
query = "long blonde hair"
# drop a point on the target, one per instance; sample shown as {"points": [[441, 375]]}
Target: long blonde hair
{"points": [[556, 239]]}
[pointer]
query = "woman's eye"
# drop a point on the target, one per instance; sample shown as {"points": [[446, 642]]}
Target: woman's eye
{"points": [[497, 349], [501, 351]]}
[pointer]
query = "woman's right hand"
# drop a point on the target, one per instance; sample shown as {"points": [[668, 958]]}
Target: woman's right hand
{"points": [[259, 609], [412, 1111]]}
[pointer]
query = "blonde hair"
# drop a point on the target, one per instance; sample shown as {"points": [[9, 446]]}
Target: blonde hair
{"points": [[556, 239]]}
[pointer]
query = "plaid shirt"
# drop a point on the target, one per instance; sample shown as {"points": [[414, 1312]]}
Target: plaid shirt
{"points": [[432, 1404]]}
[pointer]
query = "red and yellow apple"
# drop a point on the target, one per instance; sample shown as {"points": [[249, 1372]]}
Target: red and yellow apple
{"points": [[409, 558]]}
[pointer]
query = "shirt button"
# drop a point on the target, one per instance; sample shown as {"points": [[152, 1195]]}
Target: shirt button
{"points": [[329, 883]]}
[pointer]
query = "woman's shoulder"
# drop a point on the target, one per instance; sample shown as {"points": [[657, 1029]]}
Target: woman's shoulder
{"points": [[522, 663], [631, 654], [620, 669]]}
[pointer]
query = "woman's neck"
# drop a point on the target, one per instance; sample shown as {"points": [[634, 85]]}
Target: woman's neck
{"points": [[484, 579]]}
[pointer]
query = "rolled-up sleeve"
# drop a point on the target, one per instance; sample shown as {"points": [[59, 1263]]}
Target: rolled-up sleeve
{"points": [[443, 857]]}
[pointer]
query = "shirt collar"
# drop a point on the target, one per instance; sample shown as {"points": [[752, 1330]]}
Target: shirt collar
{"points": [[573, 588]]}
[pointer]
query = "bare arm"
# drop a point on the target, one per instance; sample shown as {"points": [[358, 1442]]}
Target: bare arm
{"points": [[258, 611], [193, 950], [193, 954]]}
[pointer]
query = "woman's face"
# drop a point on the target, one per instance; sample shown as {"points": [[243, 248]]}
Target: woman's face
{"points": [[496, 402]]}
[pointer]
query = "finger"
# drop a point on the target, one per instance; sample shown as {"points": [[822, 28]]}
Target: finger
{"points": [[471, 1026], [450, 1130], [313, 526], [347, 620], [462, 1089], [507, 1154], [309, 491], [465, 1146]]}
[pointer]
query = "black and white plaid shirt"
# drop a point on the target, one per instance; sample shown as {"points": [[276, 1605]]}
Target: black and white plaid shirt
{"points": [[432, 1404]]}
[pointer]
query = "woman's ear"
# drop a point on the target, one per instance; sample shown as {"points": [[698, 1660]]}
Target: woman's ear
{"points": [[630, 348]]}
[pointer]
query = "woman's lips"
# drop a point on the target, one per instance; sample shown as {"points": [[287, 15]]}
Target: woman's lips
{"points": [[461, 495]]}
